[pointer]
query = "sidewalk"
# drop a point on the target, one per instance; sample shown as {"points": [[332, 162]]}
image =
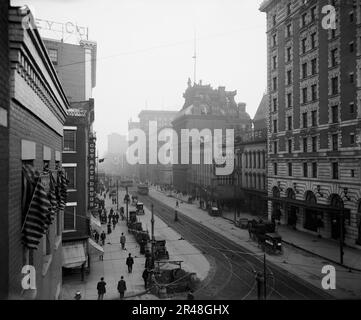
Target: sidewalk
{"points": [[113, 265], [303, 264]]}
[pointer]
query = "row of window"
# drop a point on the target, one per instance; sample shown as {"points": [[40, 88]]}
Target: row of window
{"points": [[314, 143], [305, 166]]}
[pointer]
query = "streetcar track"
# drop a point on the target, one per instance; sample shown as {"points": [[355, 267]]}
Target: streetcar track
{"points": [[279, 274]]}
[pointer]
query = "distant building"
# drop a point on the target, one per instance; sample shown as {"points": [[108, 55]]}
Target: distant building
{"points": [[314, 86], [115, 157], [155, 173], [31, 134], [251, 164], [207, 108], [132, 169]]}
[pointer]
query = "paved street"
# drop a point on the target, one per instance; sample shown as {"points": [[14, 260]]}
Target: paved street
{"points": [[293, 261]]}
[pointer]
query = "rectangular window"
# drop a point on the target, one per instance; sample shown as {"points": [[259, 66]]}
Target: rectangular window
{"points": [[290, 169], [289, 100], [314, 169], [352, 107], [289, 77], [304, 21], [334, 142], [314, 144], [289, 31], [335, 170], [275, 126], [334, 111], [314, 92], [69, 140], [70, 174], [53, 55], [69, 218], [334, 85], [305, 149], [313, 40], [274, 83], [313, 13], [289, 56], [274, 62], [304, 70], [314, 118], [304, 120], [304, 95], [352, 77], [275, 147], [274, 104], [305, 169], [275, 169], [334, 57], [274, 40], [304, 45], [289, 145], [314, 66], [352, 138], [289, 123]]}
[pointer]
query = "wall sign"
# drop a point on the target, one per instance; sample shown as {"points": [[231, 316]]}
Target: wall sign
{"points": [[91, 166]]}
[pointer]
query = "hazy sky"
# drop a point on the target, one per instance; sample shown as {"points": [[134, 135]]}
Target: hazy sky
{"points": [[145, 49]]}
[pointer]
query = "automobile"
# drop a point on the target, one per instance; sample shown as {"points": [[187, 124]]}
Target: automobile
{"points": [[214, 211], [140, 208], [273, 243]]}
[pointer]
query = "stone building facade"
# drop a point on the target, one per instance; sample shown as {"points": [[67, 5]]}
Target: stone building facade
{"points": [[314, 80]]}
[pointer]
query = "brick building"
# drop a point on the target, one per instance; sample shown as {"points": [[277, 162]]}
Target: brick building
{"points": [[250, 173], [207, 108], [32, 135], [314, 83], [76, 68]]}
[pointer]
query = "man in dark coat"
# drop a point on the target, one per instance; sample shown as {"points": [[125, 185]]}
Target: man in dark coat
{"points": [[101, 288], [130, 262], [122, 287], [145, 276], [102, 237]]}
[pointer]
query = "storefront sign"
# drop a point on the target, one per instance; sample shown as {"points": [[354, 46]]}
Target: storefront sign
{"points": [[91, 166]]}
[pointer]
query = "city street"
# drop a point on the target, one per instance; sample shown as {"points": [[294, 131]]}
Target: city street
{"points": [[235, 267]]}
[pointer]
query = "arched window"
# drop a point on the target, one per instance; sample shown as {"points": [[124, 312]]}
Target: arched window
{"points": [[310, 197], [276, 192], [336, 201], [290, 194]]}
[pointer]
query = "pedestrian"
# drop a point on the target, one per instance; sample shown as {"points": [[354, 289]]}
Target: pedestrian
{"points": [[117, 217], [130, 262], [96, 236], [190, 295], [110, 217], [114, 222], [122, 241], [176, 204], [109, 228], [145, 276], [102, 237], [122, 287], [101, 288]]}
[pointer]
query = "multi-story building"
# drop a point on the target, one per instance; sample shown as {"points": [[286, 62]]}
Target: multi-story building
{"points": [[210, 109], [155, 173], [250, 173], [314, 81], [76, 68], [115, 157], [31, 131]]}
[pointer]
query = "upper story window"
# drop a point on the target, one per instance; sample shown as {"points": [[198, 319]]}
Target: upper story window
{"points": [[274, 62], [289, 100], [334, 57], [274, 104], [314, 118], [313, 13], [275, 126], [274, 40], [289, 55], [53, 55], [274, 20], [313, 40], [304, 45], [69, 140], [289, 122], [289, 77], [335, 142], [274, 84], [334, 114], [304, 70], [304, 120], [70, 173], [289, 30], [304, 19], [334, 85], [275, 147], [314, 66]]}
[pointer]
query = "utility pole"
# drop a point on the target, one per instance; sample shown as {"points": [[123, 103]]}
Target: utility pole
{"points": [[117, 196], [341, 236], [126, 202], [152, 224], [264, 277]]}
